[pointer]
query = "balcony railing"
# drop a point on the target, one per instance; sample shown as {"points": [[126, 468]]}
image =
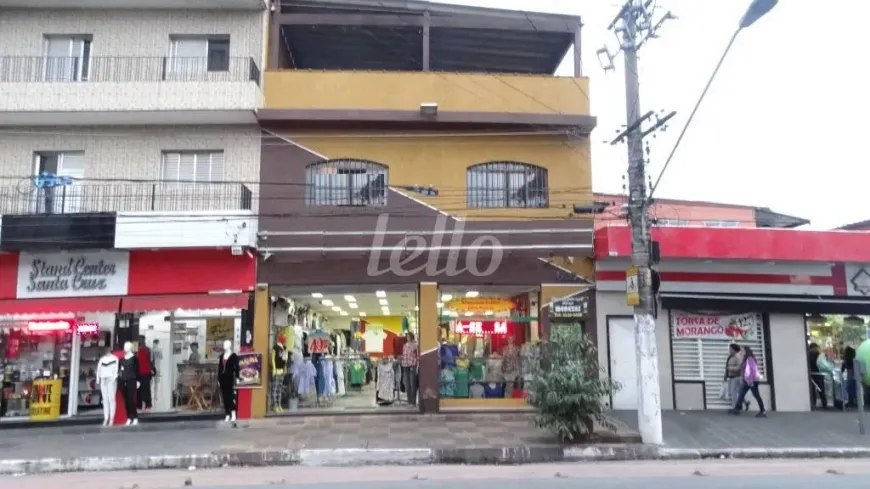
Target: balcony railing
{"points": [[125, 197], [127, 69]]}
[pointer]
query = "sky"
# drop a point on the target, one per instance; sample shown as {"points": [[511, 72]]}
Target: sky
{"points": [[782, 125]]}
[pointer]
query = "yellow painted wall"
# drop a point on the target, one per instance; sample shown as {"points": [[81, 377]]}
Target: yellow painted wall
{"points": [[466, 92], [441, 162]]}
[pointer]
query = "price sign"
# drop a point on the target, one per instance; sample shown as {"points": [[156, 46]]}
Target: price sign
{"points": [[318, 344], [481, 328]]}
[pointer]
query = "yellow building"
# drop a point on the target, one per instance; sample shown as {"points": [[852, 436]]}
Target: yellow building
{"points": [[421, 168]]}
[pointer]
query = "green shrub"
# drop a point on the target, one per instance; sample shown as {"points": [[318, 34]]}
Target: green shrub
{"points": [[568, 389]]}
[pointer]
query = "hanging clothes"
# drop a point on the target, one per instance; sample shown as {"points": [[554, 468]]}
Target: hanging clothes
{"points": [[339, 378], [448, 383], [386, 381], [328, 378], [305, 375]]}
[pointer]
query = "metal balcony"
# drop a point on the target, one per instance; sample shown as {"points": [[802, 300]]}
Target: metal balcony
{"points": [[124, 197]]}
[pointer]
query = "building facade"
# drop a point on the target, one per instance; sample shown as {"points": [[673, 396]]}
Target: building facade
{"points": [[420, 163], [129, 153], [777, 291]]}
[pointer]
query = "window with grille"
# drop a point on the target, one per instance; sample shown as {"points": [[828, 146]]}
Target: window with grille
{"points": [[192, 166], [502, 184], [703, 358], [346, 182]]}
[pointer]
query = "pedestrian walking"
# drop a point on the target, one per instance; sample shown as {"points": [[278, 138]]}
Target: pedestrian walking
{"points": [[749, 370]]}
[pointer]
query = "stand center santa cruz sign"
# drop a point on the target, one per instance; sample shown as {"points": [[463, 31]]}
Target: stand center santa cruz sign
{"points": [[73, 274]]}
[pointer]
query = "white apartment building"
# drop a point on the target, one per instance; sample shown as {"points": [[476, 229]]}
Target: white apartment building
{"points": [[126, 102]]}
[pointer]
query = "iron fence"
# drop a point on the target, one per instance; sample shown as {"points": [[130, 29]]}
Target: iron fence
{"points": [[125, 197], [127, 69]]}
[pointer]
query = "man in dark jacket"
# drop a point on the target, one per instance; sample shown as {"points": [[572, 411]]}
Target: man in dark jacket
{"points": [[146, 372]]}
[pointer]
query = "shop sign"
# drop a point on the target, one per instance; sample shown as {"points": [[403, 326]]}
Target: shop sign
{"points": [[84, 274], [632, 287], [570, 308], [45, 400], [50, 325], [719, 326], [480, 328], [480, 304], [250, 366]]}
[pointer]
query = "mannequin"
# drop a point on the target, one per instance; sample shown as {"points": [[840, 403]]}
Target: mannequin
{"points": [[279, 369], [107, 379], [228, 372], [128, 376]]}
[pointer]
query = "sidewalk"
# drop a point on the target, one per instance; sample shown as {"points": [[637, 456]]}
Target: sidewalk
{"points": [[415, 439]]}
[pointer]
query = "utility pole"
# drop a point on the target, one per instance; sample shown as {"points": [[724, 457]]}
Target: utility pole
{"points": [[633, 26]]}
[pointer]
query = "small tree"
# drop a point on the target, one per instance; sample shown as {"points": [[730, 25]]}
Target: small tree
{"points": [[568, 389]]}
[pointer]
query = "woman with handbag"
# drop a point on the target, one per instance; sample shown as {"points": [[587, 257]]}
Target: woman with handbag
{"points": [[749, 371]]}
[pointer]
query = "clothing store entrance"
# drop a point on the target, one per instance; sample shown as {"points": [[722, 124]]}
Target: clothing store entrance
{"points": [[343, 349]]}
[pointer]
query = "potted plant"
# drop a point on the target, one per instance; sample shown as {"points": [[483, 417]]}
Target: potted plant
{"points": [[569, 389]]}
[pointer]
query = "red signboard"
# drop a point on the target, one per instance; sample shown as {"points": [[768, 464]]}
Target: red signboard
{"points": [[479, 328]]}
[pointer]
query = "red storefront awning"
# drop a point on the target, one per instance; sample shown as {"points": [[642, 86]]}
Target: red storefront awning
{"points": [[147, 303], [62, 305]]}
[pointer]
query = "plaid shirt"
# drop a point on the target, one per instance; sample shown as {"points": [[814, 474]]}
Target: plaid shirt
{"points": [[409, 354]]}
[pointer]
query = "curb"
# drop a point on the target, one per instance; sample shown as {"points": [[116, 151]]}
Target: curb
{"points": [[353, 457]]}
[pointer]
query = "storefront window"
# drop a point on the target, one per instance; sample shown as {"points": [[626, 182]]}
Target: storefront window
{"points": [[487, 350], [831, 344], [32, 354], [337, 348]]}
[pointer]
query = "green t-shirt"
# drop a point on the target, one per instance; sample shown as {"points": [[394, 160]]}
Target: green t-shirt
{"points": [[476, 369], [357, 374], [460, 379]]}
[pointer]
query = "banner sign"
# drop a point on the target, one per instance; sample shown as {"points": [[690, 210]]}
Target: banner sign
{"points": [[318, 342], [480, 305], [250, 366], [481, 328], [45, 400], [80, 274], [733, 327]]}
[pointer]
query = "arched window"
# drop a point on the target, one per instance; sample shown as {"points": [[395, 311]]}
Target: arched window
{"points": [[346, 182], [507, 184]]}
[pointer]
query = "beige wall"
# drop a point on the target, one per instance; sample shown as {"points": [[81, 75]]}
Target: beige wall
{"points": [[788, 343]]}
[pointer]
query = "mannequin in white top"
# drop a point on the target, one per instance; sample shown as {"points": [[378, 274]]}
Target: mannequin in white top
{"points": [[107, 380], [128, 377], [228, 372]]}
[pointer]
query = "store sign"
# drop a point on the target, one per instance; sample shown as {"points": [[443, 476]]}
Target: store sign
{"points": [[570, 308], [318, 342], [50, 325], [481, 328], [73, 274], [250, 366], [719, 326], [480, 304]]}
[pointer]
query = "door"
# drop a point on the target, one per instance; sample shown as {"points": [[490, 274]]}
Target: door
{"points": [[623, 361], [60, 199]]}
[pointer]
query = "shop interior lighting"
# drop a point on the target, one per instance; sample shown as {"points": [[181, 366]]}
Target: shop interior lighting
{"points": [[362, 314], [439, 305], [469, 313], [416, 308], [336, 308], [350, 298], [317, 295], [353, 305], [327, 302], [472, 294], [343, 313], [385, 310], [383, 302], [381, 294], [488, 313], [446, 298]]}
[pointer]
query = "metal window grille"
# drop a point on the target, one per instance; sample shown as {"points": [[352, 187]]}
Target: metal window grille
{"points": [[346, 182], [507, 184]]}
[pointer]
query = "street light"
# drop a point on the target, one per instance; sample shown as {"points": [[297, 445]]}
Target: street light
{"points": [[756, 10]]}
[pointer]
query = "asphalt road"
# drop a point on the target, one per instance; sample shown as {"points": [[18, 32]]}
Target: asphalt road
{"points": [[715, 474]]}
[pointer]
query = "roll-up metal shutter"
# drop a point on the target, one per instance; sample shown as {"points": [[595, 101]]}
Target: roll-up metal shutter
{"points": [[701, 353]]}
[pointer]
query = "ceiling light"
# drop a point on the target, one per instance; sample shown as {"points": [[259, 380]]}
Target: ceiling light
{"points": [[353, 305], [336, 308], [383, 302], [317, 295], [380, 293], [416, 308], [454, 314], [343, 313], [385, 310], [472, 293], [350, 298], [469, 313], [327, 302], [488, 313], [439, 305], [446, 297], [362, 314]]}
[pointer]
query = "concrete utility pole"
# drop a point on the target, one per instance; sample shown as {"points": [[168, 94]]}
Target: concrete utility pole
{"points": [[633, 26]]}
